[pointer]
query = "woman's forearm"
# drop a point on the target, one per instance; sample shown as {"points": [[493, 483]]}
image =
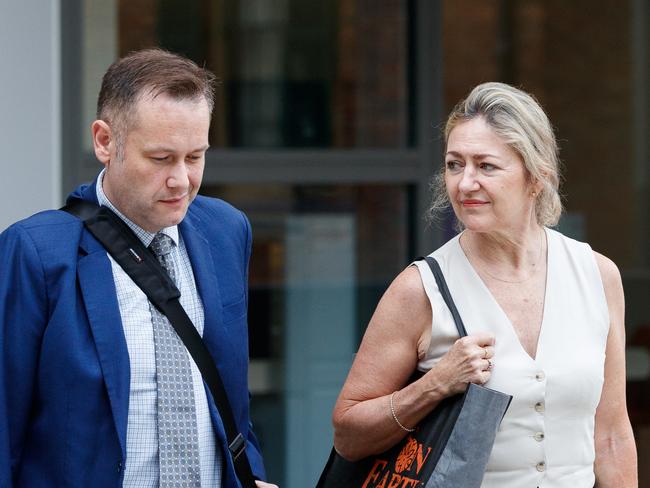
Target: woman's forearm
{"points": [[616, 461], [368, 427]]}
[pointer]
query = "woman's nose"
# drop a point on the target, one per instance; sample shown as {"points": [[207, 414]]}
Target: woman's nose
{"points": [[468, 182]]}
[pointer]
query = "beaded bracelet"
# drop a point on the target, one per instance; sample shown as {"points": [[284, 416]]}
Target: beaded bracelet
{"points": [[392, 411]]}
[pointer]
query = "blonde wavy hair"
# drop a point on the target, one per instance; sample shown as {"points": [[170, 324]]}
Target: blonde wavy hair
{"points": [[518, 119]]}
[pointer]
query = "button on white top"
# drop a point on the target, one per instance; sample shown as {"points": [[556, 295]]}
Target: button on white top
{"points": [[541, 466], [539, 436], [539, 407], [540, 376]]}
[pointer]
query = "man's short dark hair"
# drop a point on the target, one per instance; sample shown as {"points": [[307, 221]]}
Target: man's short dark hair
{"points": [[150, 72]]}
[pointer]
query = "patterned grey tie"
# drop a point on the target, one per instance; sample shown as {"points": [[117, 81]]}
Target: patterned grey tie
{"points": [[177, 432]]}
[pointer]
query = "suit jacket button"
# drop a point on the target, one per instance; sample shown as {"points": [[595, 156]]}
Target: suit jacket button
{"points": [[119, 466]]}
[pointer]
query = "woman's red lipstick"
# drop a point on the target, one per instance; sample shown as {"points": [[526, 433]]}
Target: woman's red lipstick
{"points": [[472, 203]]}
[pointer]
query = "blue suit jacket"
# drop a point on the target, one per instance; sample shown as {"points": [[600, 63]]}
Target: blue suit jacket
{"points": [[64, 364]]}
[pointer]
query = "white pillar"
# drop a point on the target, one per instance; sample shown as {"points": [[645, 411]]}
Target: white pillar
{"points": [[30, 120]]}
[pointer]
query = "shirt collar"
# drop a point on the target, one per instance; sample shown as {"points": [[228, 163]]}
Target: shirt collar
{"points": [[143, 235]]}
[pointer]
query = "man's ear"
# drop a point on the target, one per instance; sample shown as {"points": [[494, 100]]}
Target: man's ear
{"points": [[103, 141]]}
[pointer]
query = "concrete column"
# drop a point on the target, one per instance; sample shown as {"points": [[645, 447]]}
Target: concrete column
{"points": [[30, 120]]}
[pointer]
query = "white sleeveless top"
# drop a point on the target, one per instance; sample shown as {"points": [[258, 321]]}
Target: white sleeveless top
{"points": [[546, 439]]}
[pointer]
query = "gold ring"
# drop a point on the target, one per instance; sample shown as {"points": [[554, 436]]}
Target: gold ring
{"points": [[489, 367], [485, 353]]}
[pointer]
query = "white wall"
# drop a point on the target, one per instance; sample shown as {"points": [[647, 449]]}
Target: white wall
{"points": [[30, 153]]}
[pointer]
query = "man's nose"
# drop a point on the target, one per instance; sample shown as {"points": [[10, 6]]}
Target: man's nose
{"points": [[178, 175]]}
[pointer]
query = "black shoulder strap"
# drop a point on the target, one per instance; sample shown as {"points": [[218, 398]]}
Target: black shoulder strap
{"points": [[444, 291], [143, 268]]}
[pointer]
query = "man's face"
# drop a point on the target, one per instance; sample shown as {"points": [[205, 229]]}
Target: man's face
{"points": [[164, 156]]}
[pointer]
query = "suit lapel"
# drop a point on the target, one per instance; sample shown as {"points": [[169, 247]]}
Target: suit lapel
{"points": [[207, 283], [98, 290]]}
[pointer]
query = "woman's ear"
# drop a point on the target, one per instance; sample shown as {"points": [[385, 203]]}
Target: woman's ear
{"points": [[536, 186], [103, 141]]}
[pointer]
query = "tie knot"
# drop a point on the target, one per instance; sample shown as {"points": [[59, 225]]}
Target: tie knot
{"points": [[162, 244]]}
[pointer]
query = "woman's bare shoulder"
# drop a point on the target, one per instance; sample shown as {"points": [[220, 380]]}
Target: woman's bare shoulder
{"points": [[609, 273], [408, 284], [405, 307], [406, 296]]}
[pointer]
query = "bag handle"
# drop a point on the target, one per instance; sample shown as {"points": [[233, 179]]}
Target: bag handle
{"points": [[143, 268], [446, 295]]}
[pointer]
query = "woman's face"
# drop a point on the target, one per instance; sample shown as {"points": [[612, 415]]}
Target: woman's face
{"points": [[486, 180]]}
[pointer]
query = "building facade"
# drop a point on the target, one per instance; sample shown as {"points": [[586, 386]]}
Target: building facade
{"points": [[326, 132]]}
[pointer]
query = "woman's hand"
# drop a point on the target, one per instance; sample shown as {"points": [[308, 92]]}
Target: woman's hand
{"points": [[469, 360]]}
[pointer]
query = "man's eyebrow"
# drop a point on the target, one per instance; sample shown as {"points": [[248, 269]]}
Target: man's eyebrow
{"points": [[170, 150]]}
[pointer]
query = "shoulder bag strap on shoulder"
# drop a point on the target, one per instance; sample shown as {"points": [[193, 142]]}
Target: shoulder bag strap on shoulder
{"points": [[444, 291]]}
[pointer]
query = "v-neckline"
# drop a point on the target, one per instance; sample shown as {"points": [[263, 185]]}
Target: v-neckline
{"points": [[495, 303]]}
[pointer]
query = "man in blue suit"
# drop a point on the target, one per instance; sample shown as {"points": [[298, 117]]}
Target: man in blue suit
{"points": [[87, 394]]}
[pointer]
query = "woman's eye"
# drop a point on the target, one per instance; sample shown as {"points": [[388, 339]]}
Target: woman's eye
{"points": [[487, 166], [451, 165], [159, 158]]}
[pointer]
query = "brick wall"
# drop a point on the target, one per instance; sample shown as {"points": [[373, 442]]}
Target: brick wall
{"points": [[575, 57]]}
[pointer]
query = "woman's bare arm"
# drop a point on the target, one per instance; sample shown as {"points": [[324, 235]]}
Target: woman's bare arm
{"points": [[616, 465], [397, 335]]}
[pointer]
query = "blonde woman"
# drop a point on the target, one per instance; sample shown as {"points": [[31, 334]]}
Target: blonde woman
{"points": [[544, 314]]}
